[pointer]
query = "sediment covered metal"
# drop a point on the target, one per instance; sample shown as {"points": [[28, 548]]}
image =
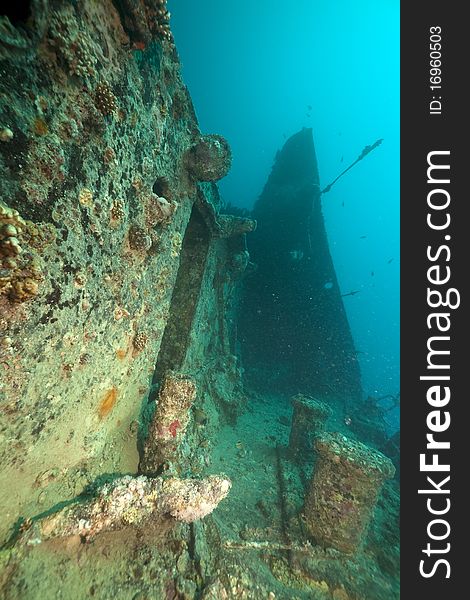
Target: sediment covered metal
{"points": [[343, 491]]}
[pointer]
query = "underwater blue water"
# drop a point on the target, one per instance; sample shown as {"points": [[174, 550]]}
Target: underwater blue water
{"points": [[260, 71]]}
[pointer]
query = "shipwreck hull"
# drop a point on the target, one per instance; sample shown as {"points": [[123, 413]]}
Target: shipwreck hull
{"points": [[294, 327]]}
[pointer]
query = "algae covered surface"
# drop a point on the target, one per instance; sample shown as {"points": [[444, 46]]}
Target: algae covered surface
{"points": [[182, 414]]}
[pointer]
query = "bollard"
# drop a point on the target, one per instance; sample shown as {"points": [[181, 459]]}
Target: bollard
{"points": [[343, 491], [308, 420], [169, 423]]}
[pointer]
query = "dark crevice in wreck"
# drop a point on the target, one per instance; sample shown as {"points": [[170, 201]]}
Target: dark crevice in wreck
{"points": [[18, 12], [161, 187], [185, 297]]}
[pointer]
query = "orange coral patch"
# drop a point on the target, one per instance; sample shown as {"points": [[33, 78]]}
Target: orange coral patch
{"points": [[107, 403], [121, 354], [40, 127]]}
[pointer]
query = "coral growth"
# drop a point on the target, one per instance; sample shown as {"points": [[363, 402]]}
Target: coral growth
{"points": [[107, 402], [19, 271], [308, 420], [10, 245], [105, 100], [139, 240], [6, 134], [229, 225], [169, 423], [176, 241], [209, 159], [140, 341], [117, 212], [159, 210], [173, 428], [133, 501], [191, 500], [161, 23], [85, 197], [72, 45], [143, 19], [24, 289], [343, 491], [109, 156], [40, 127]]}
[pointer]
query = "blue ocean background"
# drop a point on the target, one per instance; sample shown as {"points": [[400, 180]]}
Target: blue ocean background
{"points": [[260, 71]]}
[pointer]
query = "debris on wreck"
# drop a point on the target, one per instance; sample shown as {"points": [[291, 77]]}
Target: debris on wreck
{"points": [[343, 491], [20, 271], [210, 158], [132, 501], [308, 420], [169, 422]]}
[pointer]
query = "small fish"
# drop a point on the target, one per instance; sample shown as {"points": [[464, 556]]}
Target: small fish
{"points": [[309, 107], [363, 237], [241, 448], [350, 294], [389, 261], [296, 254], [372, 273], [342, 158], [342, 204]]}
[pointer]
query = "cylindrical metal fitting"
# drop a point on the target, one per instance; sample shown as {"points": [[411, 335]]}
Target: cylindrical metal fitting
{"points": [[343, 491], [308, 420]]}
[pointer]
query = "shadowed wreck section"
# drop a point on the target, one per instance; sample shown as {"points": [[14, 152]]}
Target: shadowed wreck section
{"points": [[294, 327], [186, 293], [156, 351]]}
